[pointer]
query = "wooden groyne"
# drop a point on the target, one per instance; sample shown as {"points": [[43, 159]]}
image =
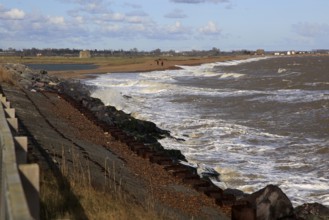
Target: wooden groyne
{"points": [[19, 181]]}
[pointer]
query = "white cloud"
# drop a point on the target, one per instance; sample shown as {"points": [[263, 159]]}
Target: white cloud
{"points": [[112, 28], [211, 28], [12, 14], [91, 7], [58, 20], [134, 19], [37, 25], [112, 17], [176, 28], [120, 17], [137, 27], [117, 16], [79, 19], [88, 6]]}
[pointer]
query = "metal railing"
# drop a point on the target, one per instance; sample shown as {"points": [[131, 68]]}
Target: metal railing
{"points": [[19, 182]]}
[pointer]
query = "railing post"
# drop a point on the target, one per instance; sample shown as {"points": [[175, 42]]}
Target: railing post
{"points": [[30, 177], [19, 184], [21, 149]]}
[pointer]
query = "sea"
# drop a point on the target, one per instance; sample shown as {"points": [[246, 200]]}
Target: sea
{"points": [[258, 121]]}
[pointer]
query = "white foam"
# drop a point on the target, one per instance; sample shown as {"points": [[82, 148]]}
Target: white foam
{"points": [[292, 96], [305, 189], [161, 76], [238, 62], [197, 71], [231, 75], [317, 84], [282, 70], [109, 96], [207, 70]]}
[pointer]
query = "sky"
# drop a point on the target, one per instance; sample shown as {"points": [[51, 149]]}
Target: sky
{"points": [[177, 25]]}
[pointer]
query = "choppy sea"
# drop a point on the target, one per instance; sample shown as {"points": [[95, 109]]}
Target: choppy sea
{"points": [[258, 121]]}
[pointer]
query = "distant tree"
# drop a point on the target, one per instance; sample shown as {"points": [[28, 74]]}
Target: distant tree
{"points": [[246, 52], [134, 50], [260, 52], [156, 51], [215, 51], [171, 52]]}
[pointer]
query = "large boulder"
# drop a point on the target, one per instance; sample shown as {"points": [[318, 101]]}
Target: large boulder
{"points": [[269, 203], [312, 211]]}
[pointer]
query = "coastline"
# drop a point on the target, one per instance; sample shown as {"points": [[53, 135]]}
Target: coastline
{"points": [[82, 74]]}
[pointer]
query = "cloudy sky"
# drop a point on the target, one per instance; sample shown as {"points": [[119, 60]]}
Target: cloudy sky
{"points": [[165, 24]]}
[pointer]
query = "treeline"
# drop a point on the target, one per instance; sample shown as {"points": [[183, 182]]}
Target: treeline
{"points": [[104, 53], [135, 52]]}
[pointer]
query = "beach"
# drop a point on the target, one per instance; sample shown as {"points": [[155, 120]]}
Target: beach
{"points": [[126, 65]]}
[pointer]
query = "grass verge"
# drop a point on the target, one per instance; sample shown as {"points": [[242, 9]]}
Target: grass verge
{"points": [[6, 77], [74, 197]]}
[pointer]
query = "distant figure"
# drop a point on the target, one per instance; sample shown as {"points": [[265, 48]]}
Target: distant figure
{"points": [[161, 63], [157, 62]]}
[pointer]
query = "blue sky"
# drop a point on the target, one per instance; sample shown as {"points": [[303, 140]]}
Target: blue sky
{"points": [[165, 24]]}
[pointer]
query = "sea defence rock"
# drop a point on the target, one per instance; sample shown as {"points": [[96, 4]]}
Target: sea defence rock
{"points": [[23, 76], [110, 114], [312, 211], [269, 203], [143, 131]]}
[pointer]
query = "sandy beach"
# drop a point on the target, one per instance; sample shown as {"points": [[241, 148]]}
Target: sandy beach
{"points": [[146, 65]]}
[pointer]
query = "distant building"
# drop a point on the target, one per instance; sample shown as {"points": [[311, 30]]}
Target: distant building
{"points": [[85, 54]]}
